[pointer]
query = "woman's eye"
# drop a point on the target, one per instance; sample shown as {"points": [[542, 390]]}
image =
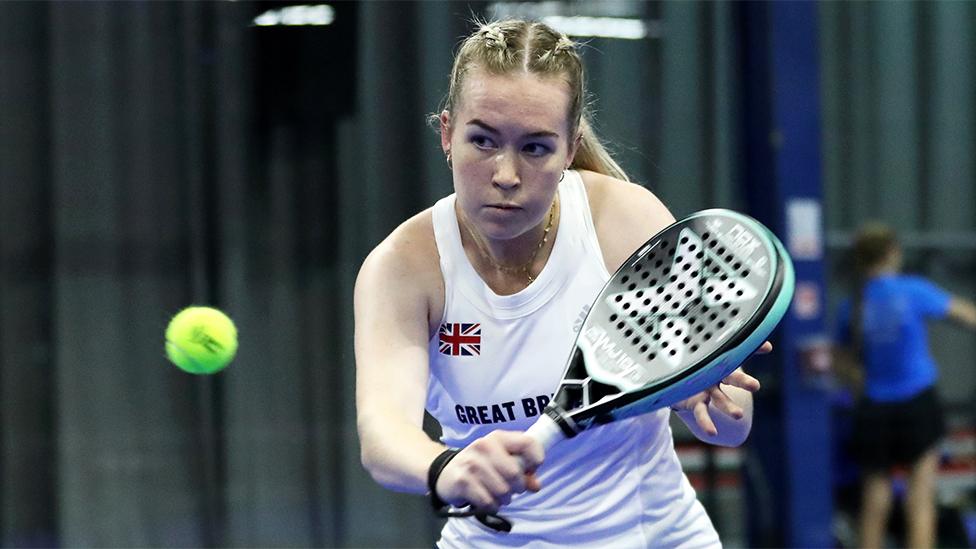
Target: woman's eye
{"points": [[482, 142], [536, 149]]}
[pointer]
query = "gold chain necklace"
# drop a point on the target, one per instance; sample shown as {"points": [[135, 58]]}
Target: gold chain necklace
{"points": [[524, 268]]}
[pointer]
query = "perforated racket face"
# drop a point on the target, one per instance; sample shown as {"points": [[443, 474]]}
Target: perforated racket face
{"points": [[678, 301]]}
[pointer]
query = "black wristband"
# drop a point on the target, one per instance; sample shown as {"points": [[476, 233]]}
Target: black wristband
{"points": [[444, 509], [434, 473]]}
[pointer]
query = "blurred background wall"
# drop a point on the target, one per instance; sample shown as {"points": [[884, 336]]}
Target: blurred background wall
{"points": [[154, 155]]}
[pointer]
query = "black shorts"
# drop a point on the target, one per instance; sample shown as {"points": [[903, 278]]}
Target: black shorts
{"points": [[888, 434]]}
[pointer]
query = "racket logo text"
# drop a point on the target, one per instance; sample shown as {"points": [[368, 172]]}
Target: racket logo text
{"points": [[611, 357], [743, 242]]}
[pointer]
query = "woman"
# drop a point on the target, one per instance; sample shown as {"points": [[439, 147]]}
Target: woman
{"points": [[899, 419], [468, 309]]}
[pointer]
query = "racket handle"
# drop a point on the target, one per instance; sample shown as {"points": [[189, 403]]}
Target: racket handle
{"points": [[546, 431]]}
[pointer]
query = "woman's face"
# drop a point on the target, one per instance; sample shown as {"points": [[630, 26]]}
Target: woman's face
{"points": [[508, 140]]}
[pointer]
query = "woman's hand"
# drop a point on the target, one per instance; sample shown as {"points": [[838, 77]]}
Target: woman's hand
{"points": [[490, 470], [719, 399]]}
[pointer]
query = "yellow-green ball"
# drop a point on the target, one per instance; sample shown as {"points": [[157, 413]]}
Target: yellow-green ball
{"points": [[201, 340]]}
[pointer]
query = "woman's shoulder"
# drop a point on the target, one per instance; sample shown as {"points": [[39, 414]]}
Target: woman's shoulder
{"points": [[625, 214], [401, 276], [408, 255], [613, 197], [600, 185]]}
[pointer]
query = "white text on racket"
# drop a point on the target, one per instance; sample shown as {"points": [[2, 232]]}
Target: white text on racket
{"points": [[608, 353]]}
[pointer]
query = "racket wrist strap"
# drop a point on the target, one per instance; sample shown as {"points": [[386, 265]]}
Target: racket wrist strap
{"points": [[434, 472]]}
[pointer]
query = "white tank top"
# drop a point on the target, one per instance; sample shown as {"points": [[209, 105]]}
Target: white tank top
{"points": [[494, 365]]}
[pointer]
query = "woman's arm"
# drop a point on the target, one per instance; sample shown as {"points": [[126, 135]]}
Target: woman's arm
{"points": [[396, 303], [391, 310]]}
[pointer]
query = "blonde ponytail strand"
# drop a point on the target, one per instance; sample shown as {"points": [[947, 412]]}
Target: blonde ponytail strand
{"points": [[593, 156]]}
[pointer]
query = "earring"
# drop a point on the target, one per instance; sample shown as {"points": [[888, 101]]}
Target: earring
{"points": [[449, 165], [562, 176]]}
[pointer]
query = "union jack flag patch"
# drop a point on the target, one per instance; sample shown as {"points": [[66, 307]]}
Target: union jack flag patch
{"points": [[460, 339]]}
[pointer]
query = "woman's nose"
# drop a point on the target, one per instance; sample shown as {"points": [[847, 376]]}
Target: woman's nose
{"points": [[506, 170]]}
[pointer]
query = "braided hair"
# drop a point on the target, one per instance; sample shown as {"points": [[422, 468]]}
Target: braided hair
{"points": [[505, 47]]}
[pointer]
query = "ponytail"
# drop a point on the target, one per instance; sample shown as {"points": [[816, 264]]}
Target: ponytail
{"points": [[593, 156]]}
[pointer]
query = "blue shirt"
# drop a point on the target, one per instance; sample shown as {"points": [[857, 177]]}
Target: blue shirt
{"points": [[895, 350]]}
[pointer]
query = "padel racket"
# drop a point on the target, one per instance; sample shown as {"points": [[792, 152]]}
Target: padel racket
{"points": [[684, 311]]}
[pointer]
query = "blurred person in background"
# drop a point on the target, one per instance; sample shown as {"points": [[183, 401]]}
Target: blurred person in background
{"points": [[898, 420]]}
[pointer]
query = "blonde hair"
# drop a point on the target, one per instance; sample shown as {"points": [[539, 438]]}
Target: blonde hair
{"points": [[503, 47]]}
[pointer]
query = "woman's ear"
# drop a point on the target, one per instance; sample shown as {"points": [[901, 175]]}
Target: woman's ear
{"points": [[446, 132], [573, 149]]}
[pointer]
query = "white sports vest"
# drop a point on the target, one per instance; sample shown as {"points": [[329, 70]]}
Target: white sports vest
{"points": [[494, 364]]}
